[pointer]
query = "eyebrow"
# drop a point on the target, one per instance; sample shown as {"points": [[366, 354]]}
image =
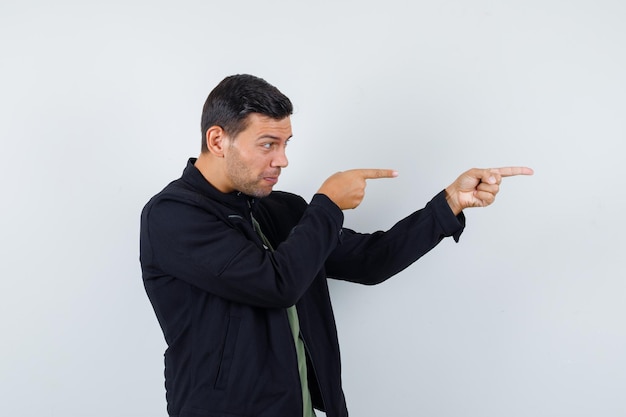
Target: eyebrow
{"points": [[272, 137]]}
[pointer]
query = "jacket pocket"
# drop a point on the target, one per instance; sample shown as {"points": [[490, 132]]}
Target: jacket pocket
{"points": [[228, 352]]}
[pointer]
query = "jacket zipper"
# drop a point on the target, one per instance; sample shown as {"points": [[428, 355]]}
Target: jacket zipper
{"points": [[319, 386]]}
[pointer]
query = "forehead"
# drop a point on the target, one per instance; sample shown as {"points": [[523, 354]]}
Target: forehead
{"points": [[261, 125]]}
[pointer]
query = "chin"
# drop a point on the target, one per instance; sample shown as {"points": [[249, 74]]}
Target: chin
{"points": [[259, 193]]}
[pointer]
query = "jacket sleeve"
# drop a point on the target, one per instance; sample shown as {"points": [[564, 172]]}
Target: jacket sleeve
{"points": [[373, 258], [184, 241]]}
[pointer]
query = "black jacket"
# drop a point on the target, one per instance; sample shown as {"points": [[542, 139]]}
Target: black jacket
{"points": [[220, 297]]}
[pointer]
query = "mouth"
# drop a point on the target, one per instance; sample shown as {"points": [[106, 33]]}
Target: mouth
{"points": [[271, 180]]}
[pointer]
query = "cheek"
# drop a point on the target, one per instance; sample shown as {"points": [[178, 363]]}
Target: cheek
{"points": [[261, 161]]}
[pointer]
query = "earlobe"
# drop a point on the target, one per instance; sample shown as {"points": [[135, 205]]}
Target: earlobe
{"points": [[215, 140]]}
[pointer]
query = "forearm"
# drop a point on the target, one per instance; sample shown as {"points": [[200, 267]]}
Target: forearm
{"points": [[373, 258]]}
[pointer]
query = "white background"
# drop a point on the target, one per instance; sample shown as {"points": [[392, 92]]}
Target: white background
{"points": [[100, 106]]}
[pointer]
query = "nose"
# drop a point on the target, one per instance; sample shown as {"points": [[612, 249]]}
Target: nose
{"points": [[280, 159]]}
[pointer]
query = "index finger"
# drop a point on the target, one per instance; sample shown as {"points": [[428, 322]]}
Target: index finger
{"points": [[377, 173], [512, 171]]}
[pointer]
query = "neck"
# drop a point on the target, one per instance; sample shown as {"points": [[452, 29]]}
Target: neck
{"points": [[210, 167]]}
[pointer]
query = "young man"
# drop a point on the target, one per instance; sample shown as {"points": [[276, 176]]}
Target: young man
{"points": [[237, 273]]}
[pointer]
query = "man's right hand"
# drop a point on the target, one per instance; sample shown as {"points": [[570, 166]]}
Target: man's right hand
{"points": [[347, 188]]}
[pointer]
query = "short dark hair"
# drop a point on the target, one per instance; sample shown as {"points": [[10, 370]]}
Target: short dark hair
{"points": [[235, 97]]}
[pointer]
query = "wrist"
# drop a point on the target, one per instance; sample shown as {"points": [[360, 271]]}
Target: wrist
{"points": [[452, 201]]}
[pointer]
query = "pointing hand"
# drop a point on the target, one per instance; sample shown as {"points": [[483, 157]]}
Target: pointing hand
{"points": [[478, 187], [347, 188]]}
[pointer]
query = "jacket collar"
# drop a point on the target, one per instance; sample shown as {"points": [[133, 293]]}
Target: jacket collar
{"points": [[235, 200]]}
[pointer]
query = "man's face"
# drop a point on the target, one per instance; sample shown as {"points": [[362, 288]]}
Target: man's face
{"points": [[256, 155]]}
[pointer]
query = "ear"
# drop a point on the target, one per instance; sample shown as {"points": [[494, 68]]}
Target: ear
{"points": [[216, 140]]}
